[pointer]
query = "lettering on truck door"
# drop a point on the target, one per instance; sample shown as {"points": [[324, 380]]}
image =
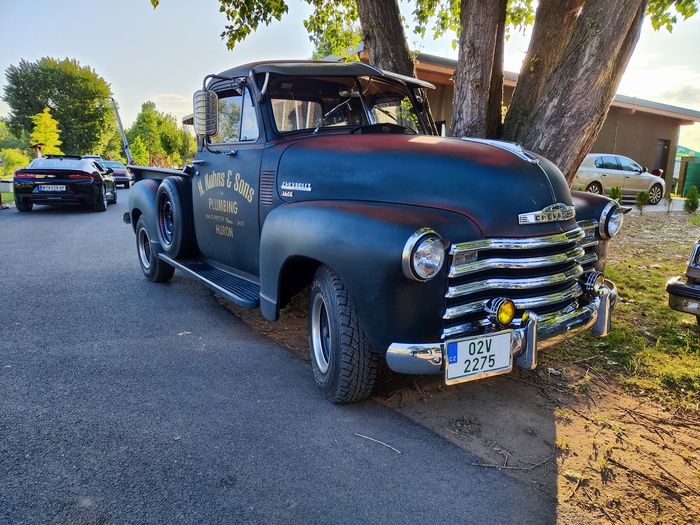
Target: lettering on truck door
{"points": [[225, 191]]}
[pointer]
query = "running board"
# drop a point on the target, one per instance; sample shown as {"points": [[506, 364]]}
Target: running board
{"points": [[232, 287]]}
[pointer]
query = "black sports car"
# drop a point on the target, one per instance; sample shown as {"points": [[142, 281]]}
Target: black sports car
{"points": [[64, 179]]}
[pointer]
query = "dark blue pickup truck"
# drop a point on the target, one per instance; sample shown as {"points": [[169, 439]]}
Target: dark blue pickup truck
{"points": [[460, 257]]}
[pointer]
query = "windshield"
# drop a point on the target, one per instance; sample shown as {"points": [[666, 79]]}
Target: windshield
{"points": [[339, 102]]}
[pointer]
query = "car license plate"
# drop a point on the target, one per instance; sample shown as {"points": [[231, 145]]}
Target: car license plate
{"points": [[478, 357], [52, 187]]}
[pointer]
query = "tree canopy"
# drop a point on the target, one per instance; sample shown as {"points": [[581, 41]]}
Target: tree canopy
{"points": [[78, 98], [577, 55], [155, 139]]}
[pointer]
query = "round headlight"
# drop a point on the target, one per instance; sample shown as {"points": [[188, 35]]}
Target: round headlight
{"points": [[423, 255], [611, 220]]}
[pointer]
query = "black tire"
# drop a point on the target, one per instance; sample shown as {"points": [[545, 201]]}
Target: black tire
{"points": [[595, 187], [175, 218], [152, 267], [24, 206], [101, 203], [114, 192], [344, 364], [656, 193], [127, 185]]}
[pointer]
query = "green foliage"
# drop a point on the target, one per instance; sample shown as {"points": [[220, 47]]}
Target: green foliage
{"points": [[46, 132], [334, 25], [615, 193], [662, 13], [160, 141], [642, 200], [78, 98], [9, 141], [13, 159], [692, 200]]}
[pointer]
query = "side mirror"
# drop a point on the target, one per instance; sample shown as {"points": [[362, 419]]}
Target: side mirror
{"points": [[206, 114]]}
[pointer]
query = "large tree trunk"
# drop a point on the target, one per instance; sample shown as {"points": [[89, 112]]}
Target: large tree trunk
{"points": [[479, 20], [495, 103], [554, 23], [384, 37], [575, 99], [385, 40]]}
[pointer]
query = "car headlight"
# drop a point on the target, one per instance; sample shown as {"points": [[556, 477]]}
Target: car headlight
{"points": [[423, 255], [611, 220]]}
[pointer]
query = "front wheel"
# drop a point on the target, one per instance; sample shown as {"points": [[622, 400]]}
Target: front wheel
{"points": [[152, 267], [344, 364], [655, 194]]}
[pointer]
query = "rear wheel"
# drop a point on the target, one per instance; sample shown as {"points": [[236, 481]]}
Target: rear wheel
{"points": [[175, 218], [101, 203], [23, 206], [152, 267], [344, 364], [595, 187], [655, 194]]}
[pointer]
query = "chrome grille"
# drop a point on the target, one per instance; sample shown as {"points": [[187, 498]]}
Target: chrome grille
{"points": [[540, 274]]}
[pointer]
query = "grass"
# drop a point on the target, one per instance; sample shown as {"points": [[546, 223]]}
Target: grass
{"points": [[652, 349], [7, 197]]}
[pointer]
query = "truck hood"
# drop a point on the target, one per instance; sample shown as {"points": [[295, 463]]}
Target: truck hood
{"points": [[482, 180]]}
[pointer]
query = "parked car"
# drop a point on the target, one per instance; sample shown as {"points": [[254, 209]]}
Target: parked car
{"points": [[601, 171], [64, 179], [121, 173], [684, 292]]}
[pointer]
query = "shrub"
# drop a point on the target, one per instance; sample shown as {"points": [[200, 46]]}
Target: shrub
{"points": [[642, 200], [692, 200], [615, 193]]}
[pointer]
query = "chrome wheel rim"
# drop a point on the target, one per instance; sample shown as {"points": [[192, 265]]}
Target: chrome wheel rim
{"points": [[145, 253], [320, 334]]}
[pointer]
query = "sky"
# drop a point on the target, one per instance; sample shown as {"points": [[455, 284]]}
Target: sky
{"points": [[162, 55]]}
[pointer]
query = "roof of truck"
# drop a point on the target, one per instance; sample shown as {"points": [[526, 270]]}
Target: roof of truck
{"points": [[319, 68]]}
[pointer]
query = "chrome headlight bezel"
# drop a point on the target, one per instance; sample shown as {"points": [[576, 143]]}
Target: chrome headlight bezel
{"points": [[424, 255], [611, 220]]}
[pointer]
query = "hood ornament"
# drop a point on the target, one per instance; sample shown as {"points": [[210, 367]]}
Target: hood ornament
{"points": [[554, 213]]}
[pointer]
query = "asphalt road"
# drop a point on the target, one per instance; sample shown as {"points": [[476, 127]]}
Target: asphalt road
{"points": [[126, 401]]}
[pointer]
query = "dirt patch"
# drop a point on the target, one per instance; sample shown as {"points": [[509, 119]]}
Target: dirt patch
{"points": [[606, 455]]}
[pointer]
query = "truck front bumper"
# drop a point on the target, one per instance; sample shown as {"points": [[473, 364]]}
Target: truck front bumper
{"points": [[533, 334], [683, 297]]}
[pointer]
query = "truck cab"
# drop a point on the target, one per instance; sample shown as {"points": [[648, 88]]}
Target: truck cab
{"points": [[460, 257]]}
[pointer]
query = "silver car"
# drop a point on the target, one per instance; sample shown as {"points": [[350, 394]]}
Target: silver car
{"points": [[601, 171]]}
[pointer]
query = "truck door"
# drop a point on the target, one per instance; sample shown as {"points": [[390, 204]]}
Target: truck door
{"points": [[226, 184]]}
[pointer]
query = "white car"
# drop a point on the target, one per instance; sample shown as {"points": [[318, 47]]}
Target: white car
{"points": [[601, 171]]}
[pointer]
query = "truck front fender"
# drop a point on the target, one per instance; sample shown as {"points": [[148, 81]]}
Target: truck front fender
{"points": [[363, 244]]}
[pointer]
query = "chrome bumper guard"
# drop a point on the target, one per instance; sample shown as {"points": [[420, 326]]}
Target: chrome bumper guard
{"points": [[683, 297], [535, 333]]}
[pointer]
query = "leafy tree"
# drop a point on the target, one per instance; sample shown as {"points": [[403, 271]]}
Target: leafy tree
{"points": [[139, 151], [13, 159], [78, 98], [46, 132], [163, 141], [9, 141], [577, 55]]}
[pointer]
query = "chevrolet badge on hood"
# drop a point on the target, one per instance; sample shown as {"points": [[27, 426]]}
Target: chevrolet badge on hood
{"points": [[554, 213]]}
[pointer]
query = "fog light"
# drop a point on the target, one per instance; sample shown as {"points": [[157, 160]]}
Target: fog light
{"points": [[501, 311], [594, 282]]}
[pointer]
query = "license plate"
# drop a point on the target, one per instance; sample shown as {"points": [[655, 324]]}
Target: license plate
{"points": [[52, 187], [478, 357]]}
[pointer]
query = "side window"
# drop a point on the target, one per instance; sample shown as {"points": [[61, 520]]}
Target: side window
{"points": [[607, 163], [630, 165], [237, 119]]}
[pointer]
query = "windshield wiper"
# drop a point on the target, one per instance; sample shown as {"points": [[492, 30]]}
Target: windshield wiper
{"points": [[329, 113]]}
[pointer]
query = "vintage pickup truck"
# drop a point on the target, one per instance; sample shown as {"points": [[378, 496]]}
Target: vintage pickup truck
{"points": [[459, 257]]}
